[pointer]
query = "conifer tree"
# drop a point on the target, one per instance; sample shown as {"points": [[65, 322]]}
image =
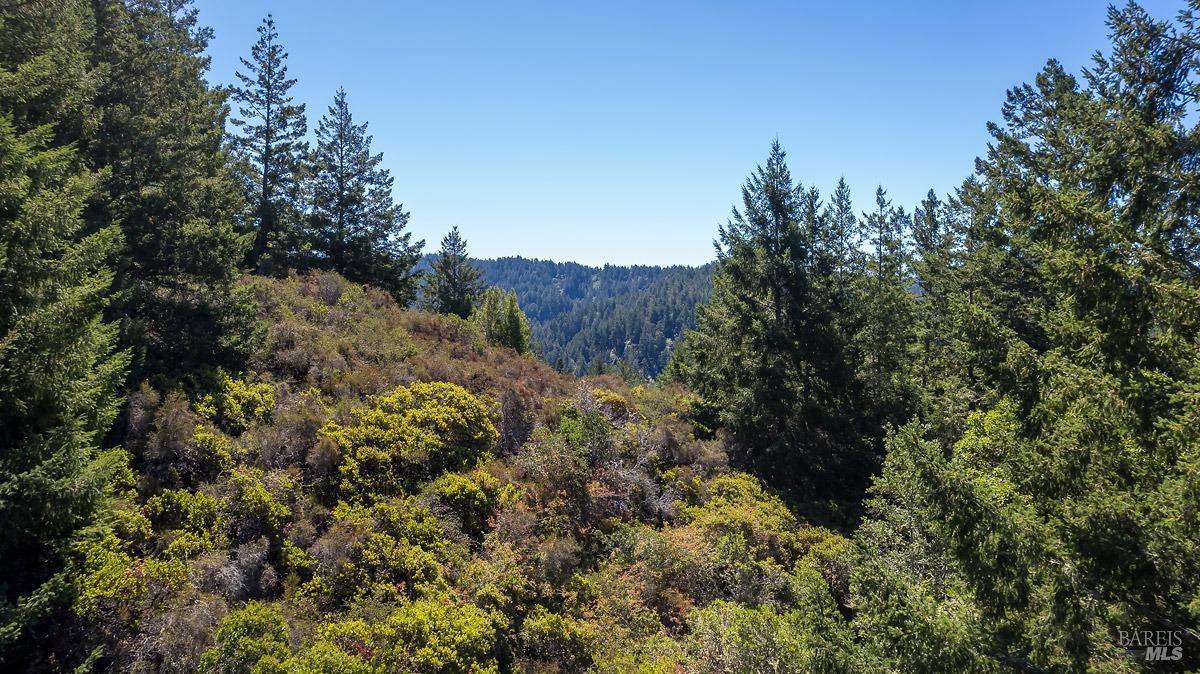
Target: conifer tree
{"points": [[935, 262], [516, 333], [168, 182], [355, 228], [841, 246], [59, 366], [271, 144], [886, 302], [1066, 510], [453, 286], [764, 351]]}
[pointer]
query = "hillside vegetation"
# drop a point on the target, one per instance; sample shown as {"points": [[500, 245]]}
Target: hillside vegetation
{"points": [[381, 490]]}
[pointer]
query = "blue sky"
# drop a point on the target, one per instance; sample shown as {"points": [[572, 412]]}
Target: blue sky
{"points": [[621, 132]]}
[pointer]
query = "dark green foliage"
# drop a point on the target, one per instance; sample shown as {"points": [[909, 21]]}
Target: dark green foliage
{"points": [[354, 227], [603, 315], [1064, 510], [271, 146], [59, 367], [454, 285], [168, 182], [767, 354], [885, 309]]}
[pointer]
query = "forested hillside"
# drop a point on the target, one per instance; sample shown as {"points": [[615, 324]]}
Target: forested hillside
{"points": [[612, 317], [243, 430]]}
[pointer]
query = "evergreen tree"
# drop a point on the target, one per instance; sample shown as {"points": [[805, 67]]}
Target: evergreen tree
{"points": [[840, 246], [59, 367], [762, 350], [1066, 510], [168, 182], [454, 285], [516, 326], [355, 228], [886, 304], [936, 261], [271, 144]]}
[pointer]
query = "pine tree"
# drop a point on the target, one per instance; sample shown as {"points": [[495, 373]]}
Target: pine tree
{"points": [[886, 304], [356, 229], [59, 367], [1066, 510], [271, 144], [169, 184], [936, 260], [761, 354], [516, 326], [840, 246], [454, 285]]}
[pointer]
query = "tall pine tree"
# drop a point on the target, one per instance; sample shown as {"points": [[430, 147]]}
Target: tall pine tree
{"points": [[885, 299], [271, 145], [765, 356], [1066, 512], [168, 182], [355, 227], [59, 367]]}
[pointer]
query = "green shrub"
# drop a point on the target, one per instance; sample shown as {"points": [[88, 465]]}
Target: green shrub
{"points": [[414, 432], [472, 498], [250, 640], [237, 404], [431, 636], [556, 638]]}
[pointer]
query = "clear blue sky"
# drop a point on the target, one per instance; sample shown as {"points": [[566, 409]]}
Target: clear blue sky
{"points": [[621, 131]]}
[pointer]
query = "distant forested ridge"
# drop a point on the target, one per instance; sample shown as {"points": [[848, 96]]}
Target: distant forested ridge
{"points": [[588, 318]]}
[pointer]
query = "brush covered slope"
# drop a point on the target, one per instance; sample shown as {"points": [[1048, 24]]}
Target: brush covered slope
{"points": [[382, 491]]}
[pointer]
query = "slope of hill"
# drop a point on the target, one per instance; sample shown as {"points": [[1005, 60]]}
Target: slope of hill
{"points": [[583, 316], [382, 491]]}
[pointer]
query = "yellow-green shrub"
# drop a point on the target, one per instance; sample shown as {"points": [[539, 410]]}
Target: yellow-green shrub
{"points": [[254, 510], [237, 404], [472, 498], [192, 521], [412, 433], [250, 640], [398, 549], [557, 638]]}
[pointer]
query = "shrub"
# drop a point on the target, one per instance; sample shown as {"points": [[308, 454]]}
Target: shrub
{"points": [[252, 639], [433, 636], [254, 510], [388, 551], [237, 404], [412, 433], [193, 521], [471, 498], [556, 638], [440, 637], [108, 584], [727, 637]]}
